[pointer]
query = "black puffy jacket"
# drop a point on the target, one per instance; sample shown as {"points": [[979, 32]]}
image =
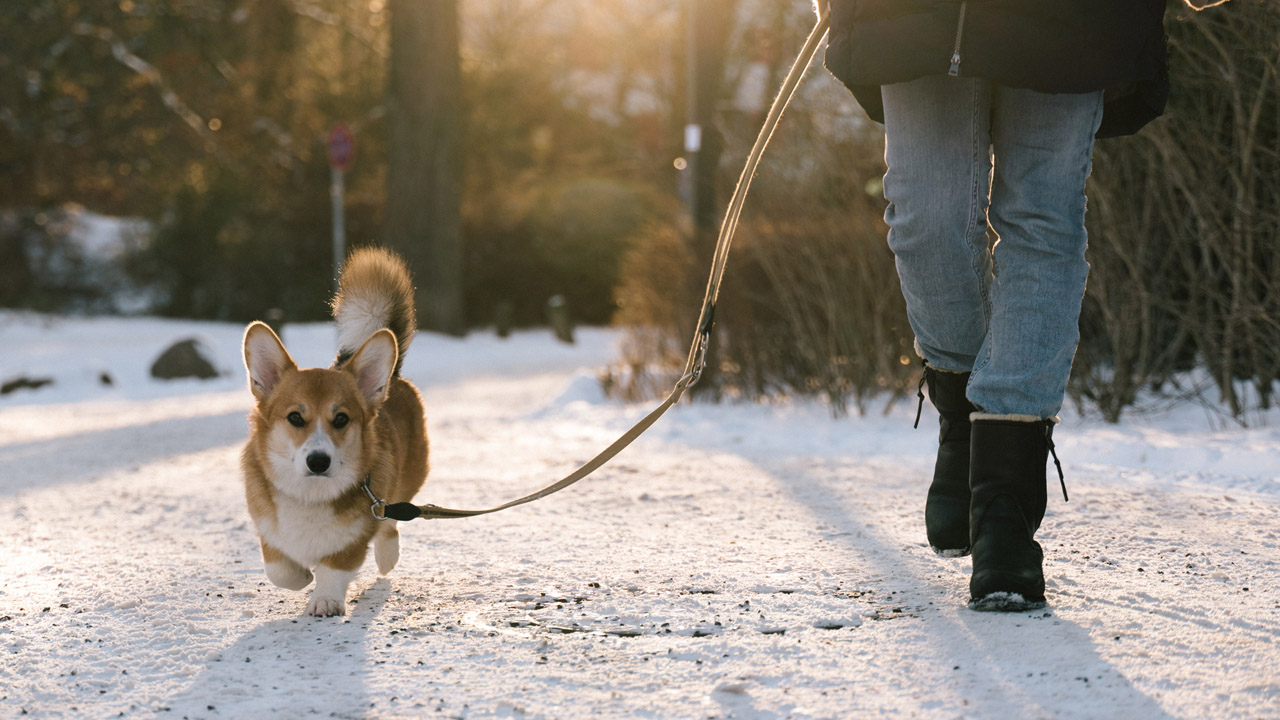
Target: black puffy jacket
{"points": [[1053, 46]]}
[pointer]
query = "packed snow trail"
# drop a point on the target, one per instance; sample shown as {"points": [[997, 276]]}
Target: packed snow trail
{"points": [[740, 561]]}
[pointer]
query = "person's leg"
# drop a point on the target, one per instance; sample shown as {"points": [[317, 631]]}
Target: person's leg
{"points": [[1042, 146], [937, 148]]}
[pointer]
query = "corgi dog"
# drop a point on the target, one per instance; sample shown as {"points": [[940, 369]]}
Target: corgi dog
{"points": [[324, 442]]}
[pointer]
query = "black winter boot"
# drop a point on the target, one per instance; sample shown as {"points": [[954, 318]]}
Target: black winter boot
{"points": [[1007, 480], [946, 509]]}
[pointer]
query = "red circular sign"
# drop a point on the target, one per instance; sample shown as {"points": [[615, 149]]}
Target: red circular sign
{"points": [[342, 147]]}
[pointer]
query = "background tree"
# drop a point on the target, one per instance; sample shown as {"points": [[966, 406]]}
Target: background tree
{"points": [[208, 118], [709, 32], [424, 159]]}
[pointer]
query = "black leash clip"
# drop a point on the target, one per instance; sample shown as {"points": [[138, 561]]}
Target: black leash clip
{"points": [[378, 503], [698, 354]]}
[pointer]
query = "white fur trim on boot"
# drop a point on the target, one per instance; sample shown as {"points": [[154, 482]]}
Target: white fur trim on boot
{"points": [[1013, 418]]}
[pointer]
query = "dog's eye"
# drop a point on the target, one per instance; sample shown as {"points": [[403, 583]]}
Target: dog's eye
{"points": [[340, 420], [295, 419]]}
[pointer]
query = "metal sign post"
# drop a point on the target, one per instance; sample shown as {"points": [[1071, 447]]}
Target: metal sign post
{"points": [[336, 193], [342, 149]]}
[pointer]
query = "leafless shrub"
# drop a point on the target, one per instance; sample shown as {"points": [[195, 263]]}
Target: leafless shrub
{"points": [[821, 312], [1184, 222], [810, 303], [658, 304]]}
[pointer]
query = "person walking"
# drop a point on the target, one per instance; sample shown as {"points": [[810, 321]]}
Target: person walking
{"points": [[991, 109]]}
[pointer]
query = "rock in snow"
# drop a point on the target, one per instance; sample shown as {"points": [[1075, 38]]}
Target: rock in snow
{"points": [[184, 359]]}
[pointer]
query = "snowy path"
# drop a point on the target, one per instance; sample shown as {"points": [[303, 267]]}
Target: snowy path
{"points": [[738, 561]]}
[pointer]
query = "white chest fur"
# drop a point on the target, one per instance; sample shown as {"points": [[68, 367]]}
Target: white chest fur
{"points": [[307, 532]]}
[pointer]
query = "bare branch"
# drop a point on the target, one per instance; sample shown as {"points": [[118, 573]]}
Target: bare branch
{"points": [[150, 73], [309, 9]]}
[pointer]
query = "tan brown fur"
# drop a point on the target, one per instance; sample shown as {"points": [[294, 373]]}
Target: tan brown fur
{"points": [[373, 283], [322, 521]]}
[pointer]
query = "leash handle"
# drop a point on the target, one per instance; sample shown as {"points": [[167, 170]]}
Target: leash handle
{"points": [[697, 360]]}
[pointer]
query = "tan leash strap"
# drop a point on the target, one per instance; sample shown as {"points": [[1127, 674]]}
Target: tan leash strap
{"points": [[697, 359], [409, 511]]}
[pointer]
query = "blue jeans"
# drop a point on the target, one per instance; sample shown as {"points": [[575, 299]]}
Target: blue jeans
{"points": [[1009, 312]]}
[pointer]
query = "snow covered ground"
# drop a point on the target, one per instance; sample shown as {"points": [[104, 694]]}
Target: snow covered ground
{"points": [[740, 561]]}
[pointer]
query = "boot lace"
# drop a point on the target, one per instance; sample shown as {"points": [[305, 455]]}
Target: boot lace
{"points": [[920, 393], [1048, 439]]}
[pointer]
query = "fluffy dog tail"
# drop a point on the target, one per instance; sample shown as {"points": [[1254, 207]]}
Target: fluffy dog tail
{"points": [[374, 292]]}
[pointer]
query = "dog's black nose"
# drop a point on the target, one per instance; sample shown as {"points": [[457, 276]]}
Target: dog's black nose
{"points": [[318, 463]]}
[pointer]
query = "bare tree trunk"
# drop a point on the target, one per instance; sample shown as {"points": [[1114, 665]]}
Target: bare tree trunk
{"points": [[711, 23], [424, 169]]}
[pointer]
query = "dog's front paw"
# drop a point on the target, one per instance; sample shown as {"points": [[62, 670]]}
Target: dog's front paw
{"points": [[386, 551], [328, 598], [326, 606]]}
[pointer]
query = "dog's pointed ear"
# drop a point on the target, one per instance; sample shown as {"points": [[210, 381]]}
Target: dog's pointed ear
{"points": [[373, 364], [266, 359]]}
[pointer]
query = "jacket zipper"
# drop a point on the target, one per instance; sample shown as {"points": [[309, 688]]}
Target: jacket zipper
{"points": [[955, 53]]}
